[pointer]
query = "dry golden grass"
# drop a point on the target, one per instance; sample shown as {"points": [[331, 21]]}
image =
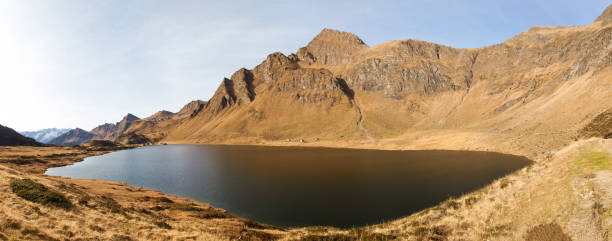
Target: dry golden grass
{"points": [[104, 210], [515, 207]]}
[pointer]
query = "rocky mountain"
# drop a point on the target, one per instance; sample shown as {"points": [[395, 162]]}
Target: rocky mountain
{"points": [[73, 137], [551, 81], [107, 131], [44, 135], [9, 137], [110, 131]]}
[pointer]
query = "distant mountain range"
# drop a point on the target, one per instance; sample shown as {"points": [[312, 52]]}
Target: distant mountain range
{"points": [[118, 132], [44, 135]]}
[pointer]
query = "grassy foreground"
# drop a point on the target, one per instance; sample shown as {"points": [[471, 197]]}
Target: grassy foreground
{"points": [[565, 195]]}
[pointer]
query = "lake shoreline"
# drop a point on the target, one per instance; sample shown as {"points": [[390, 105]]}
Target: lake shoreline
{"points": [[229, 176], [230, 228]]}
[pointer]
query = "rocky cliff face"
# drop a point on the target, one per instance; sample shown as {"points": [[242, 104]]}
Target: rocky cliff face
{"points": [[546, 79]]}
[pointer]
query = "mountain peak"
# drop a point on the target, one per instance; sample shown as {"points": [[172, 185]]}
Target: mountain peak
{"points": [[328, 34], [331, 47], [130, 117], [606, 17]]}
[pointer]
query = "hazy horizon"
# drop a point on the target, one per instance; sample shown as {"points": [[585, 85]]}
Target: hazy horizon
{"points": [[68, 64]]}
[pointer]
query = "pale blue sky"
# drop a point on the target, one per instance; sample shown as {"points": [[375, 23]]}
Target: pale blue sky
{"points": [[75, 63]]}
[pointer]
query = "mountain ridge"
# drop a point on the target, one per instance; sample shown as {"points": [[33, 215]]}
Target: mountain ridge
{"points": [[338, 89]]}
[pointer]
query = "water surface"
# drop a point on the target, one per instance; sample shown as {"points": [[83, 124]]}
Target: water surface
{"points": [[297, 186]]}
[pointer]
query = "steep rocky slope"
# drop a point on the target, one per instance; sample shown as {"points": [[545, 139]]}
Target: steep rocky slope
{"points": [[541, 86], [9, 137]]}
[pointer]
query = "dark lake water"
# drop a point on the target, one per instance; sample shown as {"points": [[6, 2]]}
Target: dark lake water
{"points": [[294, 186]]}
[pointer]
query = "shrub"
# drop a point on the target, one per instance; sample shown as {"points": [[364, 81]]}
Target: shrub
{"points": [[452, 204], [599, 208], [102, 143], [163, 225], [22, 160], [442, 230], [164, 200], [504, 183], [121, 237], [497, 230], [547, 232], [96, 228], [210, 215], [110, 204], [348, 237], [39, 193], [11, 224], [186, 207], [471, 201]]}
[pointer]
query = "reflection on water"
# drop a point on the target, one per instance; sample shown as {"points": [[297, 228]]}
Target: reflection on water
{"points": [[293, 186]]}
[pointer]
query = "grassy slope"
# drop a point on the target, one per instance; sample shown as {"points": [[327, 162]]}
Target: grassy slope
{"points": [[567, 192]]}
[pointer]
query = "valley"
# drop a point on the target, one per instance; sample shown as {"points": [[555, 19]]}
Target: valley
{"points": [[544, 94]]}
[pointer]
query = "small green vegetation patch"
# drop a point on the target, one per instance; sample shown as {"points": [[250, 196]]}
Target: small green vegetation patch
{"points": [[593, 161], [38, 193]]}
